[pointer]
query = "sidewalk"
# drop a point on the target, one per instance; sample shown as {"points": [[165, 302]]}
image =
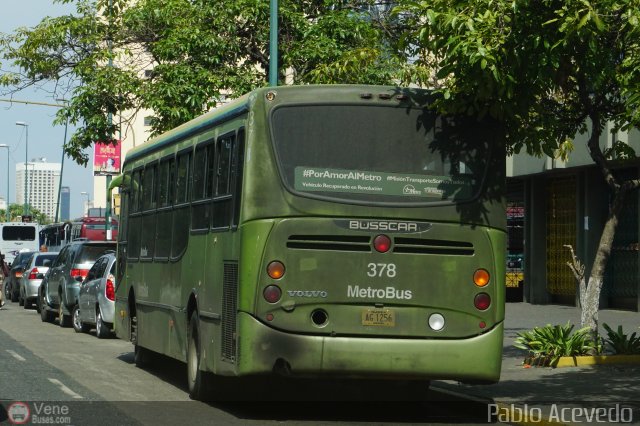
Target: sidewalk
{"points": [[559, 395]]}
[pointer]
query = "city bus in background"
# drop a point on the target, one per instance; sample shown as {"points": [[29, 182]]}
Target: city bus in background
{"points": [[317, 231], [16, 237], [93, 228], [56, 235]]}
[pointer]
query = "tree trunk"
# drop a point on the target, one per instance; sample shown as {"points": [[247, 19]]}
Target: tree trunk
{"points": [[590, 296]]}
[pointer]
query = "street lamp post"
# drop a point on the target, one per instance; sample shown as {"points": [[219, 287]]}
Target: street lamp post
{"points": [[25, 207], [6, 212], [88, 200]]}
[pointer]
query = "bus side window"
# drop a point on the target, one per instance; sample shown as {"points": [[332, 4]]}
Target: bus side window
{"points": [[201, 206], [164, 216], [236, 172], [148, 237], [181, 209], [222, 201]]}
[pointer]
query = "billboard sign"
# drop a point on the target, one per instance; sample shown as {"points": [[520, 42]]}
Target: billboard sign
{"points": [[106, 159]]}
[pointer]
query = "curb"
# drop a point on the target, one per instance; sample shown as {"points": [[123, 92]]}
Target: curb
{"points": [[578, 361]]}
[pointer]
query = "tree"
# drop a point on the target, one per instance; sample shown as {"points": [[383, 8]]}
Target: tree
{"points": [[16, 210], [180, 58], [548, 70]]}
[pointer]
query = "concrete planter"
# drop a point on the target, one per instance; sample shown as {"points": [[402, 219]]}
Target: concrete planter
{"points": [[577, 361]]}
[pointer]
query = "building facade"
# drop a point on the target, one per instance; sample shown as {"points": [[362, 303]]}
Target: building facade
{"points": [[42, 180], [566, 204]]}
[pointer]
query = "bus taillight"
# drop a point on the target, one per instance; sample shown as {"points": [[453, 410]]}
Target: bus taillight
{"points": [[481, 277], [482, 301], [272, 293], [382, 243], [275, 269]]}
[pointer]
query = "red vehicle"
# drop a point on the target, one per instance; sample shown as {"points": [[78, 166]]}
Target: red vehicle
{"points": [[93, 229]]}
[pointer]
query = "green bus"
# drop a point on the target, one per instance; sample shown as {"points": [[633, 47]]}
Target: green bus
{"points": [[317, 231]]}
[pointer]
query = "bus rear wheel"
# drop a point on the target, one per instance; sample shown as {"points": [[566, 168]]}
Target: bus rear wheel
{"points": [[197, 379]]}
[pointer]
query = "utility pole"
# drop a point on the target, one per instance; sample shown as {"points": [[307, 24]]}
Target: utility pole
{"points": [[273, 43]]}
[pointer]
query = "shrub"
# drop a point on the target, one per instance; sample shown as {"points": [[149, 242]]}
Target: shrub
{"points": [[620, 343], [546, 345]]}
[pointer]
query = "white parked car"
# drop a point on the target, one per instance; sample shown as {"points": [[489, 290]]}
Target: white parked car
{"points": [[32, 276], [96, 301]]}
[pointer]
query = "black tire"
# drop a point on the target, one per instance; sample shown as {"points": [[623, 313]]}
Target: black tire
{"points": [[45, 314], [14, 296], [102, 331], [78, 325], [196, 378], [142, 357], [64, 320], [26, 303]]}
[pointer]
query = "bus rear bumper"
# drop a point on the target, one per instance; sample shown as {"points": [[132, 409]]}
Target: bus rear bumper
{"points": [[265, 350]]}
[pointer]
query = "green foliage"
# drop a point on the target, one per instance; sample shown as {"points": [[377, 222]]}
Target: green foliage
{"points": [[546, 345], [15, 210], [621, 343], [198, 51], [543, 68]]}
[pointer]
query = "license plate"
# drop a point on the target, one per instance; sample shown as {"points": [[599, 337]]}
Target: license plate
{"points": [[379, 317]]}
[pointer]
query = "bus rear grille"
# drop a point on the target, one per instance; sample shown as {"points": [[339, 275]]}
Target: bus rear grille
{"points": [[229, 309], [330, 242], [423, 246]]}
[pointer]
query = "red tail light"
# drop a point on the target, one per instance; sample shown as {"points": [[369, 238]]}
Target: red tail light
{"points": [[382, 243], [79, 273], [482, 301], [33, 274], [110, 291], [18, 274]]}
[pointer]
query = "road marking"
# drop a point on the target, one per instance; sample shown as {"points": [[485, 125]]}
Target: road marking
{"points": [[65, 389], [15, 355]]}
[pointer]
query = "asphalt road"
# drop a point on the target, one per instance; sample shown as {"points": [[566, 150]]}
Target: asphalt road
{"points": [[73, 378]]}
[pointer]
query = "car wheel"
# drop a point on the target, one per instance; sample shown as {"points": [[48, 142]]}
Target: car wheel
{"points": [[26, 303], [64, 320], [14, 296], [76, 321], [102, 330], [45, 314]]}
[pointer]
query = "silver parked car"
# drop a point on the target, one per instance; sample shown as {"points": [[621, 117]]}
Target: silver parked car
{"points": [[32, 276], [96, 301]]}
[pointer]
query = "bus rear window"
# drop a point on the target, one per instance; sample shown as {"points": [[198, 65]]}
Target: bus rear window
{"points": [[379, 154], [18, 233]]}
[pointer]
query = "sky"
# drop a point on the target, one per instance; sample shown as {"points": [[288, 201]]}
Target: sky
{"points": [[45, 139]]}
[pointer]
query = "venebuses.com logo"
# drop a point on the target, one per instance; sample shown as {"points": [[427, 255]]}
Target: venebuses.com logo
{"points": [[20, 413]]}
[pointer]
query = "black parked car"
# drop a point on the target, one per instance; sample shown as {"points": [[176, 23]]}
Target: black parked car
{"points": [[60, 287], [12, 282]]}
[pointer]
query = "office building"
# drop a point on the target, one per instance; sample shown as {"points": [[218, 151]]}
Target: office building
{"points": [[65, 204], [42, 185]]}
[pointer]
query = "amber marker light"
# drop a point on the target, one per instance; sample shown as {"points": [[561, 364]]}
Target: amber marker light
{"points": [[481, 277], [275, 270]]}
